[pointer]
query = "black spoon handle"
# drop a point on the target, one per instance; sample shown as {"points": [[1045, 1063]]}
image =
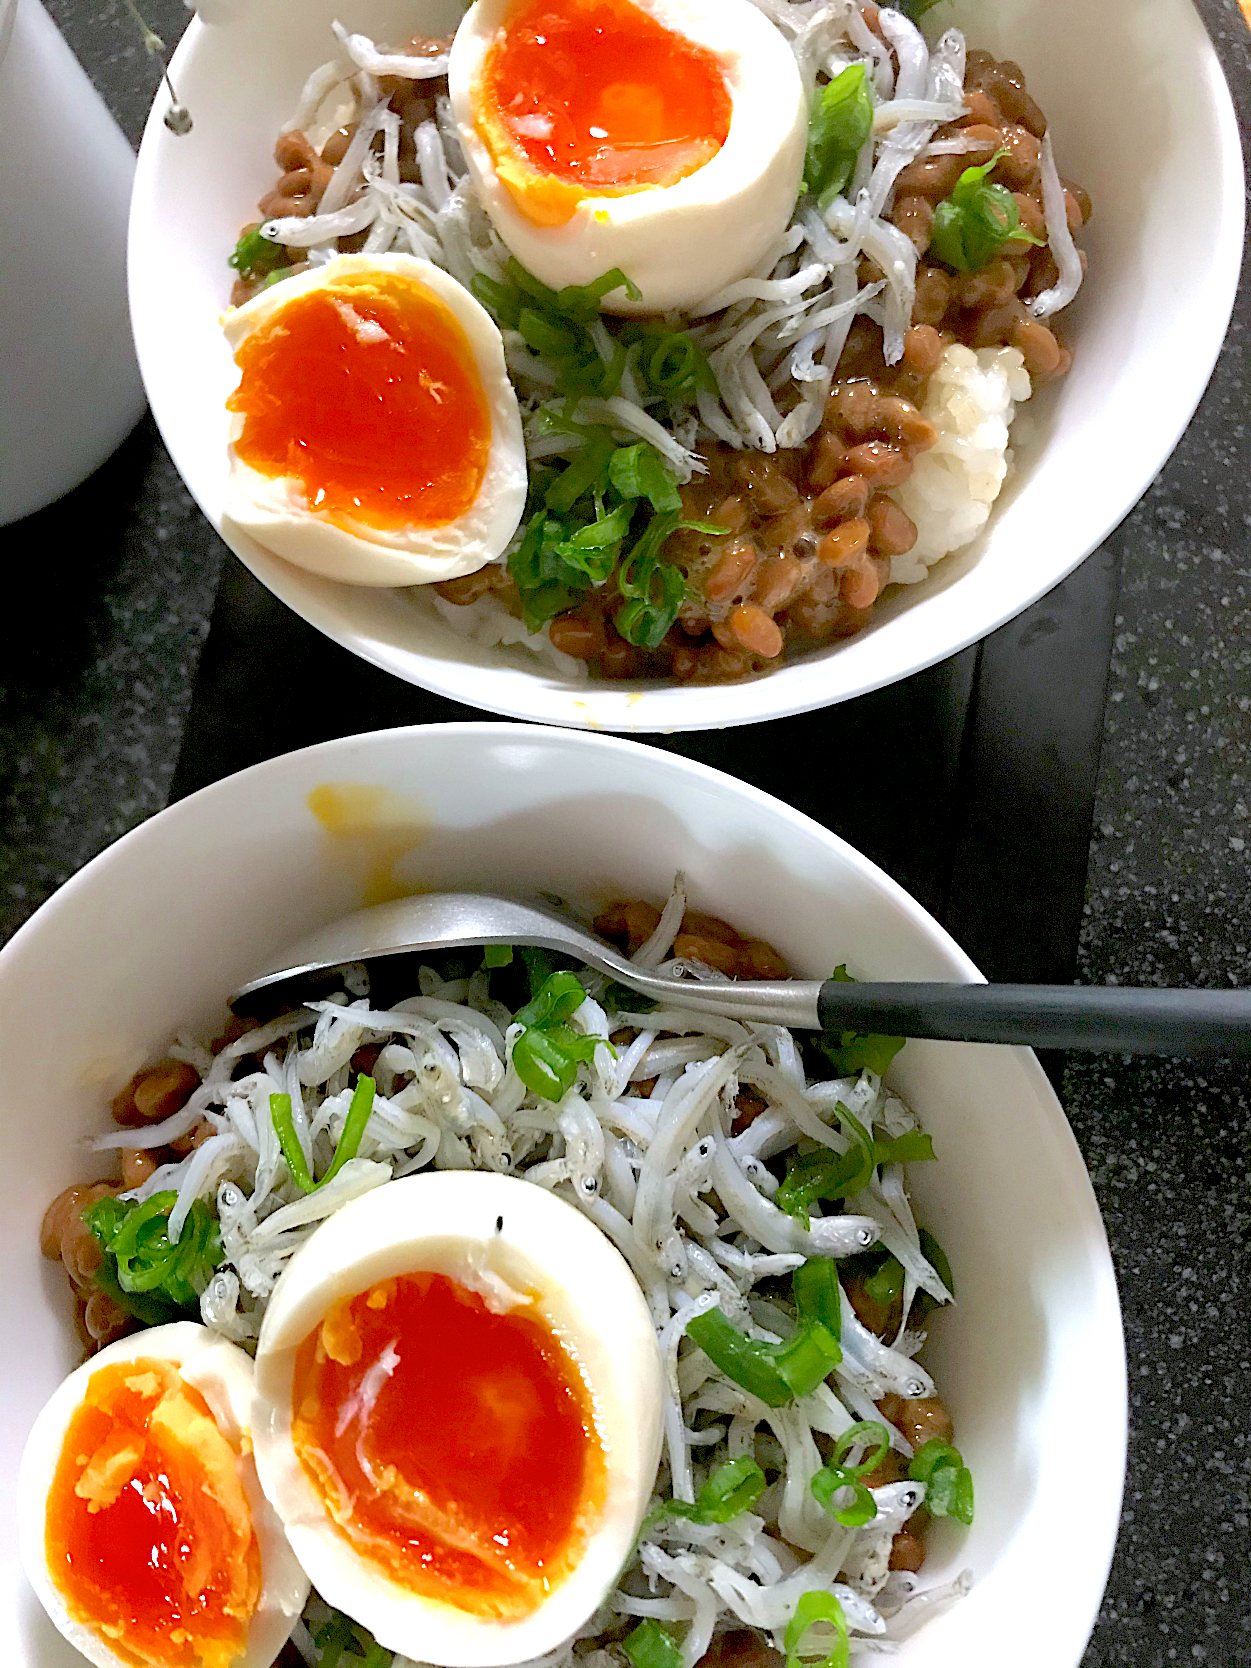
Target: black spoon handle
{"points": [[1119, 1019]]}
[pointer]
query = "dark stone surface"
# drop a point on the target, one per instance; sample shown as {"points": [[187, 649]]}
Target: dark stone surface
{"points": [[95, 686]]}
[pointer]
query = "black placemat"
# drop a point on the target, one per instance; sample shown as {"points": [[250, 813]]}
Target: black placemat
{"points": [[971, 783]]}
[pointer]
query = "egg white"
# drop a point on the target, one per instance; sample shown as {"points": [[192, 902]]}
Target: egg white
{"points": [[676, 243], [446, 1222], [223, 1376], [275, 510]]}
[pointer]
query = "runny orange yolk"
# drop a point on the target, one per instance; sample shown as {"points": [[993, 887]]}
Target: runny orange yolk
{"points": [[595, 98], [367, 392], [148, 1535], [454, 1447]]}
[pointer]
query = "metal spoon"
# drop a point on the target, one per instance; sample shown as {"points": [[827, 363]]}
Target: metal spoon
{"points": [[1117, 1018]]}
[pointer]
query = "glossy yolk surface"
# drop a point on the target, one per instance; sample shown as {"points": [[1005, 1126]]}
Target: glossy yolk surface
{"points": [[596, 98], [454, 1447], [368, 393], [149, 1537]]}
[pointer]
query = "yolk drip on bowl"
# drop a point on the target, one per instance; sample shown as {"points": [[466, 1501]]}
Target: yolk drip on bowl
{"points": [[367, 392], [149, 1537], [595, 98], [453, 1446]]}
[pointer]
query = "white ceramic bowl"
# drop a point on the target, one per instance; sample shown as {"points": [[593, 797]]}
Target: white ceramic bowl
{"points": [[152, 935], [1142, 117]]}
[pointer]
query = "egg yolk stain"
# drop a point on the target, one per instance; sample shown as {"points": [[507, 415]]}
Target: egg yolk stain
{"points": [[148, 1535], [452, 1446], [597, 98], [368, 393]]}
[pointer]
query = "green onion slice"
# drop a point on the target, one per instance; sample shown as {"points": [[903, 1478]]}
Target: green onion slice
{"points": [[841, 121], [830, 1481], [149, 1274], [813, 1608], [732, 1488], [651, 1645], [359, 1109], [255, 256], [546, 1060], [948, 1481], [886, 1282], [818, 1296], [851, 1052], [977, 220], [776, 1373], [557, 999]]}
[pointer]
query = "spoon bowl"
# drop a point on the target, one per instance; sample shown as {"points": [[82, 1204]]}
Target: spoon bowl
{"points": [[1118, 1019]]}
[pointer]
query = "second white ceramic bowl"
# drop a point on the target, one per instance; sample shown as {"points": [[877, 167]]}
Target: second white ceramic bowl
{"points": [[154, 933], [1141, 116]]}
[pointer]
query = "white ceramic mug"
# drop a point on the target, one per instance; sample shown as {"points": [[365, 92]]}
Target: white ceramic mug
{"points": [[69, 386]]}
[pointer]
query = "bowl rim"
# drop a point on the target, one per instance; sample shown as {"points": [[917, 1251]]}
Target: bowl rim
{"points": [[662, 705], [164, 824]]}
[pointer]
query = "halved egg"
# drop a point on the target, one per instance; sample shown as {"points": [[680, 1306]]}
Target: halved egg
{"points": [[143, 1530], [375, 436], [457, 1417], [664, 137]]}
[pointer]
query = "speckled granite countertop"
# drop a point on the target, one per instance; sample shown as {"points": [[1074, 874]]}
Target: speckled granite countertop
{"points": [[89, 736]]}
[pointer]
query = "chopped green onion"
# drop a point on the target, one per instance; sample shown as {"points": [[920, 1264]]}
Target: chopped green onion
{"points": [[673, 364], [582, 300], [830, 1481], [359, 1109], [812, 1608], [497, 955], [332, 1639], [818, 1296], [841, 121], [948, 1481], [640, 472], [546, 583], [854, 1052], [547, 1061], [587, 471], [343, 1643], [936, 1257], [808, 1358], [651, 1645], [776, 1373], [743, 1360], [732, 1488], [557, 999], [255, 256], [885, 1284], [827, 1175], [276, 277], [865, 1432], [645, 620], [539, 964], [914, 1146], [284, 1128], [973, 224], [500, 300], [544, 336], [627, 1001], [150, 1275]]}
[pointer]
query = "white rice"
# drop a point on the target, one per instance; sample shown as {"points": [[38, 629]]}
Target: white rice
{"points": [[971, 401], [488, 623]]}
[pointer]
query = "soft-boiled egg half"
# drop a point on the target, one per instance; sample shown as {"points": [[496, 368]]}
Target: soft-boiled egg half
{"points": [[663, 137], [458, 1415], [143, 1529], [375, 436]]}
